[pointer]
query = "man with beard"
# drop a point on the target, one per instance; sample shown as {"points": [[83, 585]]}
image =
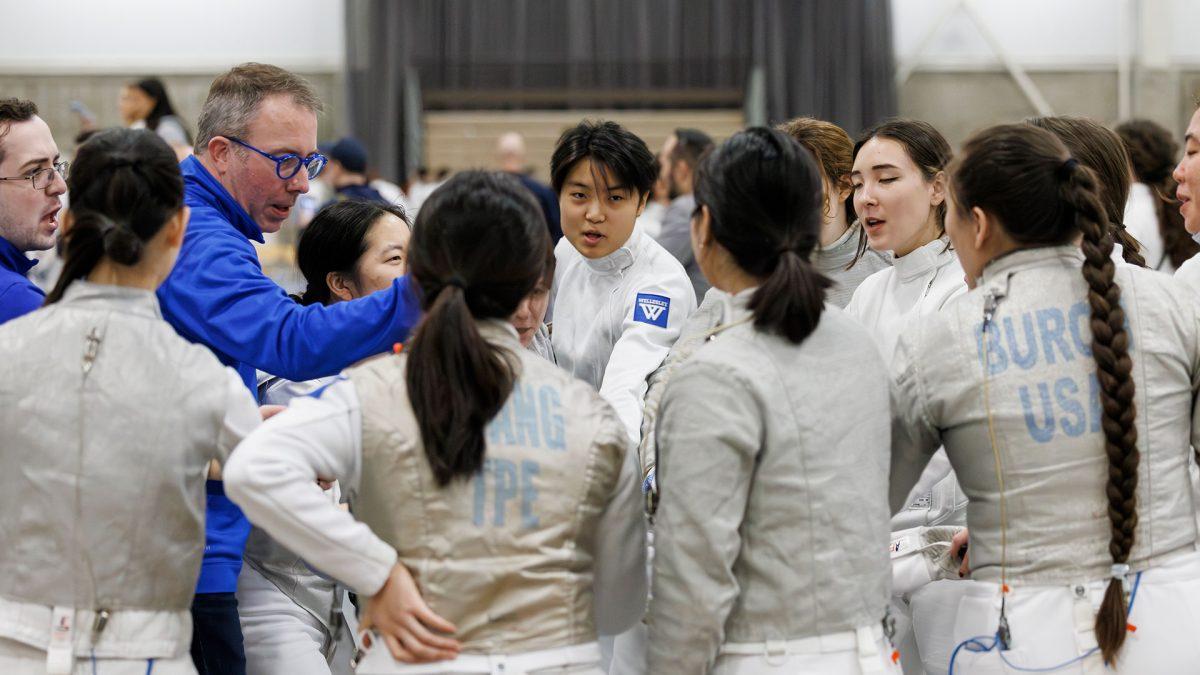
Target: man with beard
{"points": [[32, 178], [678, 160]]}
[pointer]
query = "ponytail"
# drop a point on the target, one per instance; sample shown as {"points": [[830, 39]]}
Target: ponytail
{"points": [[124, 185], [790, 301], [763, 193], [1110, 348], [315, 293], [457, 380], [1130, 248], [81, 248]]}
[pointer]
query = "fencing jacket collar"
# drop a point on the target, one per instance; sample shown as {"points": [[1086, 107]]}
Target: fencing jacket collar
{"points": [[619, 260], [137, 301], [736, 306], [1022, 259], [920, 261]]}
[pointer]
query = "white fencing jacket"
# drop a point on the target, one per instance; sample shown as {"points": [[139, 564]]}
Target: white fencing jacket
{"points": [[616, 317]]}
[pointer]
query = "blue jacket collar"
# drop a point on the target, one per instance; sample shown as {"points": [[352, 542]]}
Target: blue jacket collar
{"points": [[12, 258], [200, 187]]}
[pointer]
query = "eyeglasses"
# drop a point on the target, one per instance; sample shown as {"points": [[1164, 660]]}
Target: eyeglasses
{"points": [[43, 178], [287, 166]]}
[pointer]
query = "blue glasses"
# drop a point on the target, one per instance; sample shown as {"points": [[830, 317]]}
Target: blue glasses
{"points": [[287, 166]]}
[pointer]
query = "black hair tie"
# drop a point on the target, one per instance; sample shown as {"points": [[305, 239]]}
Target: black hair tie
{"points": [[1067, 168], [457, 282]]}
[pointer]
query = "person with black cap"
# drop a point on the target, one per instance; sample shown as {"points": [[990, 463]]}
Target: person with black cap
{"points": [[346, 172]]}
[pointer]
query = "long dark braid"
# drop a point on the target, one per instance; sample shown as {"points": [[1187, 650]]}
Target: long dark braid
{"points": [[1110, 348]]}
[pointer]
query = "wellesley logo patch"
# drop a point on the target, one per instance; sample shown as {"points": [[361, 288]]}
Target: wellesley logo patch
{"points": [[652, 309]]}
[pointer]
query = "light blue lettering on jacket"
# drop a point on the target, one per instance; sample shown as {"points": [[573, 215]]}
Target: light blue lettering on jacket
{"points": [[505, 482], [1043, 401], [529, 418], [1048, 336]]}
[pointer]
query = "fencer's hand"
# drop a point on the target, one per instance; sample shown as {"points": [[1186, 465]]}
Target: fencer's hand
{"points": [[269, 411], [958, 549], [400, 616]]}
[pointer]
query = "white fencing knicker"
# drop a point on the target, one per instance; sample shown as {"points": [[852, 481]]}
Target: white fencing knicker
{"points": [[856, 652], [925, 594], [583, 659], [1053, 625], [283, 638]]}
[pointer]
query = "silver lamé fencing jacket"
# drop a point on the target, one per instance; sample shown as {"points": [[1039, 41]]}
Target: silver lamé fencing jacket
{"points": [[109, 422], [1042, 397]]}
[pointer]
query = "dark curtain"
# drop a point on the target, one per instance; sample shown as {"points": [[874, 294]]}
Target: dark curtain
{"points": [[830, 59]]}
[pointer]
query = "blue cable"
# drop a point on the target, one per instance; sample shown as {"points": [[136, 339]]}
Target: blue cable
{"points": [[976, 644], [149, 663]]}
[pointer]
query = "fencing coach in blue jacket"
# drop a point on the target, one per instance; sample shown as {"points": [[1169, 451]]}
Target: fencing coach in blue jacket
{"points": [[256, 150]]}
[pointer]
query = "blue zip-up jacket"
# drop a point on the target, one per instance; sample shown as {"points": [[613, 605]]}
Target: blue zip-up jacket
{"points": [[18, 295], [218, 296]]}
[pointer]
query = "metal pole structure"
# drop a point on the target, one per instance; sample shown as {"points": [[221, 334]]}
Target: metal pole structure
{"points": [[906, 68], [1125, 61], [1027, 86], [1014, 69]]}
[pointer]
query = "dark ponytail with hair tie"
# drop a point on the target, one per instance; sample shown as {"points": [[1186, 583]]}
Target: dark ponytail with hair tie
{"points": [[457, 381], [1067, 169], [122, 246], [115, 211], [767, 214]]}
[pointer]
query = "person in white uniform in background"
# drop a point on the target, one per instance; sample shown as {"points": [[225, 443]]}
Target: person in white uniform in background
{"points": [[1151, 214], [291, 617], [104, 517], [1062, 387], [899, 185], [504, 484], [772, 523], [619, 297]]}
